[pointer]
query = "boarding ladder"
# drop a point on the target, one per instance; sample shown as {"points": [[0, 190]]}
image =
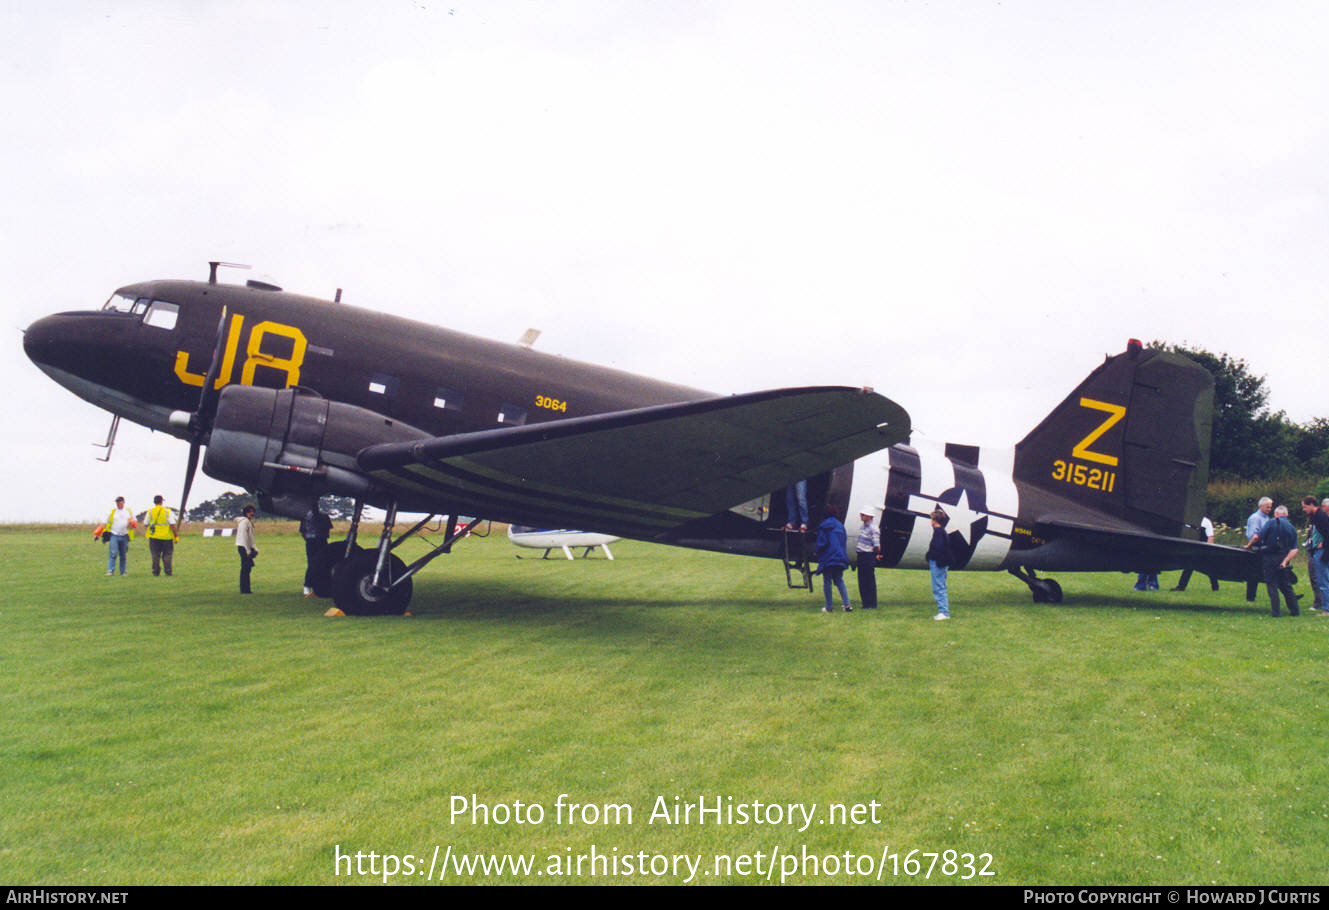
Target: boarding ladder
{"points": [[796, 560]]}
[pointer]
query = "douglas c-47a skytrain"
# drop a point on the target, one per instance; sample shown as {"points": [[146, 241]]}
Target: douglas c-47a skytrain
{"points": [[296, 397]]}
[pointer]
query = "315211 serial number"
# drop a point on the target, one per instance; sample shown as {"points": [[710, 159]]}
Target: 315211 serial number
{"points": [[1084, 476]]}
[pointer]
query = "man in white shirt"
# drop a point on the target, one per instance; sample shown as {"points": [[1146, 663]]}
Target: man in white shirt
{"points": [[120, 524], [867, 550]]}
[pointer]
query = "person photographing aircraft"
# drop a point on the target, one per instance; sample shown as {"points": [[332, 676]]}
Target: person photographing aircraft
{"points": [[244, 544]]}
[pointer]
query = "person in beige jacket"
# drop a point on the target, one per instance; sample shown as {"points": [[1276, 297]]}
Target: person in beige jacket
{"points": [[244, 543]]}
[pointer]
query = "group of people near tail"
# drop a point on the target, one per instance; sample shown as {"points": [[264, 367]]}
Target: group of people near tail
{"points": [[833, 558], [1271, 534], [163, 532]]}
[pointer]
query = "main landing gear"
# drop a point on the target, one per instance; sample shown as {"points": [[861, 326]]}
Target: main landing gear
{"points": [[1045, 590], [376, 582]]}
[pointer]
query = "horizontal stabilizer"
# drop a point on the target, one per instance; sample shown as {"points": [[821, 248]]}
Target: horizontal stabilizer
{"points": [[641, 472], [1128, 551]]}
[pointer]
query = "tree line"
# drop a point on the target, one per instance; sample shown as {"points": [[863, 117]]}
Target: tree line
{"points": [[1251, 441], [1256, 451], [229, 505]]}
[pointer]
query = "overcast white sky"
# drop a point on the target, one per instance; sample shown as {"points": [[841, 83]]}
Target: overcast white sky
{"points": [[963, 204]]}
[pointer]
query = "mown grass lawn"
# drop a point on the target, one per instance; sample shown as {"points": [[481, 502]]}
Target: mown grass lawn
{"points": [[170, 731]]}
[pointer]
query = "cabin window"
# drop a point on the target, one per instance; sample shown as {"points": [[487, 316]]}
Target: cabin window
{"points": [[511, 415], [162, 314], [448, 399], [383, 384]]}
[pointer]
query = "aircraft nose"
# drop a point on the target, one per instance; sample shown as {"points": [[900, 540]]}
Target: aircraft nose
{"points": [[73, 342], [40, 340]]}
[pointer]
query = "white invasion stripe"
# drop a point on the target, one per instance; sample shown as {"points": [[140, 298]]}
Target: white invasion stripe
{"points": [[921, 504]]}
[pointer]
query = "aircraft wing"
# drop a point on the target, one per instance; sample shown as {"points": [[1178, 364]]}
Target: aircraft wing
{"points": [[1141, 551], [640, 472]]}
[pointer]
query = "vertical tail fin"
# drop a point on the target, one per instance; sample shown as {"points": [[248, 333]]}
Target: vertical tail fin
{"points": [[1132, 441]]}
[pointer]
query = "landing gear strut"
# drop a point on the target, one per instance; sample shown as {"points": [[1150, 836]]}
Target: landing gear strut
{"points": [[376, 582], [1045, 590]]}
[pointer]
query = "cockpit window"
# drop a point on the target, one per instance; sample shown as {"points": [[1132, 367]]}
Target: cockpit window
{"points": [[119, 303], [157, 313], [162, 314]]}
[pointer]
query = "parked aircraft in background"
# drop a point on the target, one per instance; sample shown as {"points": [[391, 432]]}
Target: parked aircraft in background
{"points": [[296, 397], [548, 539]]}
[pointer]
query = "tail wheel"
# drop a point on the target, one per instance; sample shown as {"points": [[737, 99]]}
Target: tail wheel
{"points": [[353, 586], [1045, 591]]}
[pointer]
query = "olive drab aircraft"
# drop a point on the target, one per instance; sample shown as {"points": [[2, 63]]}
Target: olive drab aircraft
{"points": [[294, 398]]}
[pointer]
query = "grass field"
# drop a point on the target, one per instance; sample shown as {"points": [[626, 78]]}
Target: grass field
{"points": [[161, 731]]}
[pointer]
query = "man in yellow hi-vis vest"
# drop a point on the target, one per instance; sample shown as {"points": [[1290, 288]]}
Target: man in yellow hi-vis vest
{"points": [[161, 536]]}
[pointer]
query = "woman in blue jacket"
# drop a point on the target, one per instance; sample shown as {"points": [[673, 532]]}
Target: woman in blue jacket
{"points": [[832, 558]]}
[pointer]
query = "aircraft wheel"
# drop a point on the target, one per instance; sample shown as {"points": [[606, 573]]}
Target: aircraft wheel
{"points": [[1045, 591], [352, 586], [325, 563]]}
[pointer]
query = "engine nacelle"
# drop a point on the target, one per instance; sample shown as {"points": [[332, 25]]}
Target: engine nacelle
{"points": [[293, 445]]}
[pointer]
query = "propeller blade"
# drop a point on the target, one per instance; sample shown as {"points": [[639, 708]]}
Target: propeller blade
{"points": [[190, 467], [207, 398], [201, 421]]}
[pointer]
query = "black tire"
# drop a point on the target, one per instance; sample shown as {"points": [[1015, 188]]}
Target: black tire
{"points": [[352, 586], [333, 552], [1046, 591]]}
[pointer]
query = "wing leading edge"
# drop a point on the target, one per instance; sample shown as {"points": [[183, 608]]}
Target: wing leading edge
{"points": [[641, 472]]}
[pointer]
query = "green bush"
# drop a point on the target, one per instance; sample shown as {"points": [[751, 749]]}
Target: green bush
{"points": [[1232, 501]]}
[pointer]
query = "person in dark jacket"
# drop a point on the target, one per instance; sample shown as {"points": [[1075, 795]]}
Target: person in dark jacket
{"points": [[939, 560], [832, 558], [314, 528], [1277, 544]]}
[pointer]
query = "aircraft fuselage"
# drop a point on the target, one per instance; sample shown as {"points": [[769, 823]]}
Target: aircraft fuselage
{"points": [[443, 382]]}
